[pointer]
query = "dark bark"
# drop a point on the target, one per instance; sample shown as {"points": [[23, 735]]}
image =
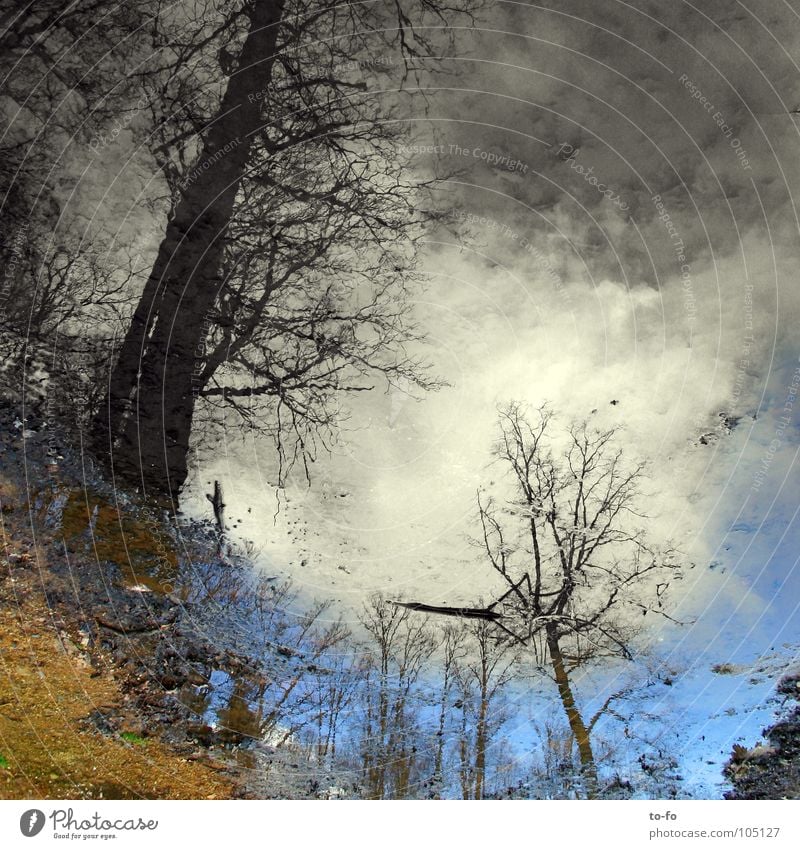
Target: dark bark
{"points": [[144, 426], [579, 729], [481, 742], [461, 612], [218, 505]]}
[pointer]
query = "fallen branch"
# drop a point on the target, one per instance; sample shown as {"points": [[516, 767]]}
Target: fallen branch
{"points": [[218, 505], [463, 612]]}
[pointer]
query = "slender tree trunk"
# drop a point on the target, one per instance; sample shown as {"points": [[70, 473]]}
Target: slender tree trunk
{"points": [[579, 728], [378, 745], [404, 764], [438, 761], [481, 735], [463, 752], [398, 759], [144, 426]]}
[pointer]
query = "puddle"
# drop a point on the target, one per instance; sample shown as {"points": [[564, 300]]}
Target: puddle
{"points": [[91, 524], [232, 707]]}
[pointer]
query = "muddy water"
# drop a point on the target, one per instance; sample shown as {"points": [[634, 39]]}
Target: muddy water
{"points": [[232, 706], [93, 525]]}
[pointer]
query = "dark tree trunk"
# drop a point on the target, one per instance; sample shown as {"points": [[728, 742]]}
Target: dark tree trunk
{"points": [[481, 742], [144, 426], [579, 729]]}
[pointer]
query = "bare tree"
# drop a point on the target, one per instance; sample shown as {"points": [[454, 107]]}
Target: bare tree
{"points": [[487, 668], [62, 303], [62, 79], [279, 278], [568, 541], [295, 649], [396, 657], [565, 534], [452, 650], [335, 688], [62, 86]]}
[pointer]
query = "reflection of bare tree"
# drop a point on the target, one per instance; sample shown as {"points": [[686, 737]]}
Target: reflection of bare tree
{"points": [[568, 544], [452, 651], [335, 688], [282, 277], [565, 539], [242, 713], [482, 674], [396, 656], [297, 651], [63, 86], [555, 774], [62, 83]]}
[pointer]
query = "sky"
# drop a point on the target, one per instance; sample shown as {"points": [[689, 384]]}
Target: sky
{"points": [[655, 268], [624, 246], [626, 232]]}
